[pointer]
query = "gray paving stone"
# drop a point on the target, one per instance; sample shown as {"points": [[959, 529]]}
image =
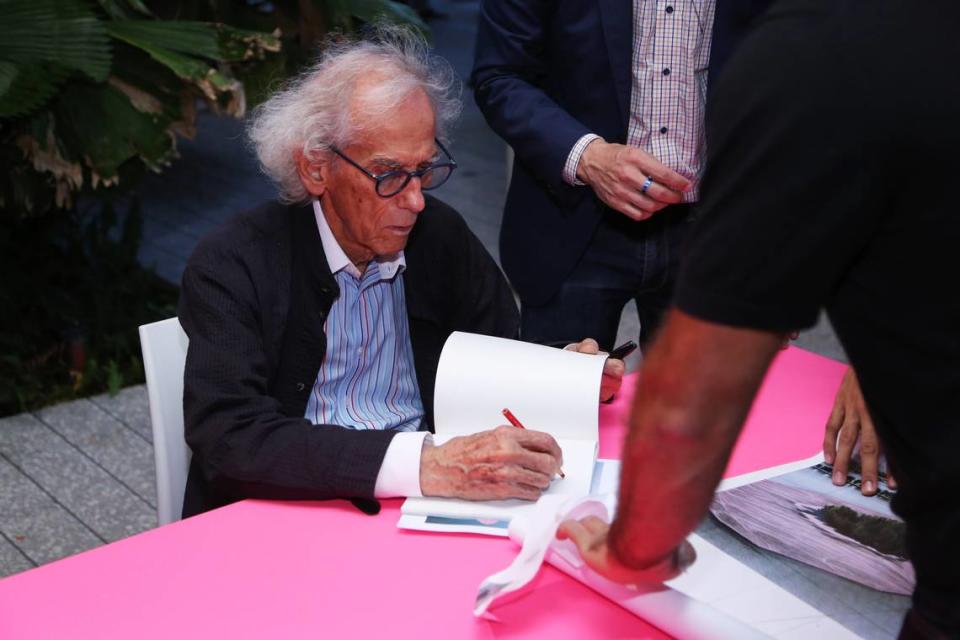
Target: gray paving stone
{"points": [[131, 407], [12, 560], [94, 496], [821, 339], [41, 529], [119, 450]]}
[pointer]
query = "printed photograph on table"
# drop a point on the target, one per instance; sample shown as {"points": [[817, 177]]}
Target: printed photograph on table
{"points": [[804, 516]]}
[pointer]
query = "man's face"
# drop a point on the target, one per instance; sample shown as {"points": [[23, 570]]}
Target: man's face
{"points": [[364, 224]]}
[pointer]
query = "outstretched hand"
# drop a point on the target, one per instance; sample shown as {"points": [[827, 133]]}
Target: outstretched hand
{"points": [[849, 422], [590, 534]]}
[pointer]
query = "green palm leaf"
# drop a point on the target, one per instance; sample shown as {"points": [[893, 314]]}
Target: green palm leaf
{"points": [[99, 124], [26, 87], [196, 39], [124, 9], [191, 49], [62, 32]]}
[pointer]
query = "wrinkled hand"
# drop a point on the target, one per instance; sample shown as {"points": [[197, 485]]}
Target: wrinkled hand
{"points": [[617, 172], [612, 369], [849, 421], [502, 463], [590, 536]]}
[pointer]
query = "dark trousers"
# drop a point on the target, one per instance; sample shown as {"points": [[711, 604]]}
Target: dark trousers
{"points": [[922, 624], [626, 260], [927, 501]]}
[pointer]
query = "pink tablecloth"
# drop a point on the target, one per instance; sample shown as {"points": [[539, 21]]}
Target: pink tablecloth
{"points": [[296, 570], [785, 423], [323, 570]]}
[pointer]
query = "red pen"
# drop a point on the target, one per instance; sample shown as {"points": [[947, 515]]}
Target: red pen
{"points": [[512, 419]]}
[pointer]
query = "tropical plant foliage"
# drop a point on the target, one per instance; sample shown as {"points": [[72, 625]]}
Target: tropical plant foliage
{"points": [[73, 298], [92, 93], [303, 24]]}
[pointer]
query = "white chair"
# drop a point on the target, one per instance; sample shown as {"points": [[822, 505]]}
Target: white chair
{"points": [[164, 346]]}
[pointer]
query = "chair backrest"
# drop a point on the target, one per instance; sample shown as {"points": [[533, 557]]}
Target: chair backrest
{"points": [[164, 346]]}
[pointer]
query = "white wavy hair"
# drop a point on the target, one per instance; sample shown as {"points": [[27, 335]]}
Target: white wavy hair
{"points": [[311, 112]]}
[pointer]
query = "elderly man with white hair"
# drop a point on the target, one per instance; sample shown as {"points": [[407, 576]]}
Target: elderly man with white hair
{"points": [[316, 323]]}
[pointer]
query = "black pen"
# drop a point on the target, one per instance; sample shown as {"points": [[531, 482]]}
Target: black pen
{"points": [[623, 350]]}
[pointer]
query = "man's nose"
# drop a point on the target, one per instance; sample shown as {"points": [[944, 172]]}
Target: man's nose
{"points": [[411, 198]]}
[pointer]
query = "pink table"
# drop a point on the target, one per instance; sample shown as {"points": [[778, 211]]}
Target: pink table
{"points": [[784, 425], [323, 570]]}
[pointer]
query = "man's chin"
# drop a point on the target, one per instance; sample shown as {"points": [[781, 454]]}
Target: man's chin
{"points": [[391, 252], [394, 242]]}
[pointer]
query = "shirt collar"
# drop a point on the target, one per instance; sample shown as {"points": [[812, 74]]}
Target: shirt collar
{"points": [[337, 260]]}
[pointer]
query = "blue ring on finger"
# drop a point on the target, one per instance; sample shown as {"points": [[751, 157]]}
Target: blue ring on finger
{"points": [[646, 185]]}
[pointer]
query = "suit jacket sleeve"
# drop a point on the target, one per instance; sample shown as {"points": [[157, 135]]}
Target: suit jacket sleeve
{"points": [[509, 75], [245, 446]]}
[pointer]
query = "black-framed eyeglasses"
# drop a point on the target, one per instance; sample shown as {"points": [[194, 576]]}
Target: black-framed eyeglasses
{"points": [[394, 181]]}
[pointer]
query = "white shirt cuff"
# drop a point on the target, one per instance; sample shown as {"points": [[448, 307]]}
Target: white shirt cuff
{"points": [[399, 475], [573, 160]]}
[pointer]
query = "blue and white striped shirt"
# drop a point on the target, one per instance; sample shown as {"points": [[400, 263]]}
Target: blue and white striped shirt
{"points": [[367, 379]]}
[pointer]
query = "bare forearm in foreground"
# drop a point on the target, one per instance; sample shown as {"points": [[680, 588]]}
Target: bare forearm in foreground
{"points": [[696, 387]]}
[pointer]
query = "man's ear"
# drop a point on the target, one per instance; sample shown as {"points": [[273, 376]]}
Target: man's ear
{"points": [[313, 174]]}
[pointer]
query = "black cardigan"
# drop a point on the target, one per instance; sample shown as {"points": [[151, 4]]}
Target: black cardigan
{"points": [[254, 298]]}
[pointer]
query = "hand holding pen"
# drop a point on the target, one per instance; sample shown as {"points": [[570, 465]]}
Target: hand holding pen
{"points": [[512, 419], [621, 352]]}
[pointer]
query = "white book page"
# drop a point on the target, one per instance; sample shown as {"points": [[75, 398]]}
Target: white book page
{"points": [[713, 600], [771, 472], [547, 389], [717, 579], [740, 592], [443, 524]]}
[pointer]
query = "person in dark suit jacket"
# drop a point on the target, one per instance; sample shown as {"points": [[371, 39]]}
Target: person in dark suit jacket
{"points": [[602, 103], [316, 324]]}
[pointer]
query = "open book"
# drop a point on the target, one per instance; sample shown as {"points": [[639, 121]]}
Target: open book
{"points": [[547, 389]]}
